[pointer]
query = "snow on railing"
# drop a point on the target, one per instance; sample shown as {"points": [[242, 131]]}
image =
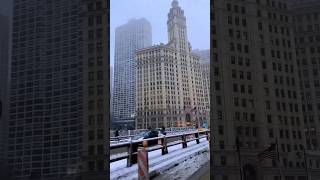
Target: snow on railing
{"points": [[169, 131], [153, 144], [124, 133]]}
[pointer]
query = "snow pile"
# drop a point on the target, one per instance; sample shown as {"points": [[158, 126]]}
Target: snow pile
{"points": [[178, 160]]}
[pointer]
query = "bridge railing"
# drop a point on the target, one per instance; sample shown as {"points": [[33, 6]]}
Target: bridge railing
{"points": [[131, 133], [137, 131], [156, 143]]}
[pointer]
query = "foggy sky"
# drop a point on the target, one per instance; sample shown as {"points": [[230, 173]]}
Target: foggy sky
{"points": [[197, 13]]}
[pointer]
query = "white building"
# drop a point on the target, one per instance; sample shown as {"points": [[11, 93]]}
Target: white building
{"points": [[135, 34], [169, 82]]}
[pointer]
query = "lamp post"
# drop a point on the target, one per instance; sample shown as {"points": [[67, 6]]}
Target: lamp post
{"points": [[146, 117]]}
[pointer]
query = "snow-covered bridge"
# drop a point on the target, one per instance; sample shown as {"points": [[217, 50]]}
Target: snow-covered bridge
{"points": [[189, 151]]}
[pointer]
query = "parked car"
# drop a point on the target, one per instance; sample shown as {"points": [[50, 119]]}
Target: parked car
{"points": [[147, 135], [202, 129]]}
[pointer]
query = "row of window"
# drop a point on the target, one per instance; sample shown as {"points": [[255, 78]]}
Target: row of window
{"points": [[312, 16], [311, 50], [279, 67]]}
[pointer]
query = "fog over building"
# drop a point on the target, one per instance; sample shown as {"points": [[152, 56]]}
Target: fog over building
{"points": [[135, 34], [204, 55], [169, 82]]}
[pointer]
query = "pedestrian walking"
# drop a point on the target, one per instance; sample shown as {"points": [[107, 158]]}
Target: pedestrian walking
{"points": [[163, 130], [116, 134]]}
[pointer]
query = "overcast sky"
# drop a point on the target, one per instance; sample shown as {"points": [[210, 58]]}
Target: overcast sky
{"points": [[197, 13]]}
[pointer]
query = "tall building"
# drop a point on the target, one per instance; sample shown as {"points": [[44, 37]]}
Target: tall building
{"points": [[205, 70], [4, 82], [307, 37], [111, 89], [306, 18], [135, 34], [255, 89], [169, 87], [59, 86]]}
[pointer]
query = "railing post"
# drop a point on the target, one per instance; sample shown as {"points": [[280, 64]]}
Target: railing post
{"points": [[207, 134], [197, 137], [164, 146], [184, 142], [143, 162], [133, 148], [129, 160]]}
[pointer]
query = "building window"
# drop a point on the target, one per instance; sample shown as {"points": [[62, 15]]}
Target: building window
{"points": [[90, 21], [91, 105], [98, 5], [100, 150], [99, 90], [91, 76], [220, 130], [100, 75], [100, 165], [91, 150], [91, 165], [99, 20], [91, 91], [223, 160], [100, 134], [221, 143], [91, 120], [100, 104], [91, 135]]}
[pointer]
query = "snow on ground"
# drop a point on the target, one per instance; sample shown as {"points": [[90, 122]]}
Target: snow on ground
{"points": [[186, 168], [178, 160]]}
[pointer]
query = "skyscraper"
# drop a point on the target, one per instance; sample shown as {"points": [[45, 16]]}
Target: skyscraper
{"points": [[169, 82], [306, 18], [135, 34], [111, 88], [58, 105], [255, 87], [205, 73], [307, 38], [4, 82]]}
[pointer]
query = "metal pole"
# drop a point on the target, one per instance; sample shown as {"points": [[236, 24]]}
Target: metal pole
{"points": [[306, 163], [146, 117], [239, 157], [278, 154]]}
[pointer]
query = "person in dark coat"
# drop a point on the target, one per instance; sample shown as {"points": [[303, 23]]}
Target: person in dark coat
{"points": [[116, 134], [163, 130]]}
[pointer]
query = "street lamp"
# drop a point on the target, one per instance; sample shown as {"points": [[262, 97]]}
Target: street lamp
{"points": [[146, 117]]}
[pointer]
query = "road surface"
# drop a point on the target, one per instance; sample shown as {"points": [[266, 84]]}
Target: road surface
{"points": [[202, 174]]}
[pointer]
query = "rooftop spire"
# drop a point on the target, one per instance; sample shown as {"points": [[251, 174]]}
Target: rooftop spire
{"points": [[177, 28], [175, 3]]}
